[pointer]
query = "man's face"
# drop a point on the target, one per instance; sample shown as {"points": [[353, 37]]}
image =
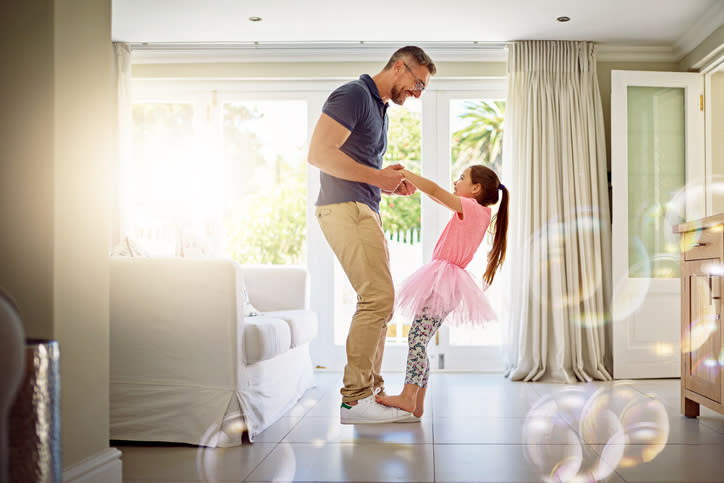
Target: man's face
{"points": [[412, 79]]}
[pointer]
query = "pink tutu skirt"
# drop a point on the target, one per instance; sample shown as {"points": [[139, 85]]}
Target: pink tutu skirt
{"points": [[443, 290]]}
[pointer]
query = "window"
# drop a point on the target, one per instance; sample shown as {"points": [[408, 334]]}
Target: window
{"points": [[265, 182], [217, 174], [161, 178]]}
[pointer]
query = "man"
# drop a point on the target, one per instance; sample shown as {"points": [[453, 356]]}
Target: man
{"points": [[347, 146]]}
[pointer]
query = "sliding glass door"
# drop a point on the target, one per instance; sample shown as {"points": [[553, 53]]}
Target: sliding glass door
{"points": [[470, 131], [219, 169]]}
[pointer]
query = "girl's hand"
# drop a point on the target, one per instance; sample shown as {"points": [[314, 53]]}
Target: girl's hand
{"points": [[405, 189]]}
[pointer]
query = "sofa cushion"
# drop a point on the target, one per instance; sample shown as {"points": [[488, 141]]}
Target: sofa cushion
{"points": [[302, 324], [264, 338]]}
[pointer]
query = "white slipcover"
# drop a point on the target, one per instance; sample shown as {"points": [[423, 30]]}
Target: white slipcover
{"points": [[178, 370]]}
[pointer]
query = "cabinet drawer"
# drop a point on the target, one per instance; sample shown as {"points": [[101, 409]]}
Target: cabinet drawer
{"points": [[700, 244]]}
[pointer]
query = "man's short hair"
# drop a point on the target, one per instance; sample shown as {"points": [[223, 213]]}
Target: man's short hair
{"points": [[414, 53]]}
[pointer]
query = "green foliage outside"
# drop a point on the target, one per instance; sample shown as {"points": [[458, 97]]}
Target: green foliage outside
{"points": [[267, 217], [401, 214], [242, 148], [270, 226]]}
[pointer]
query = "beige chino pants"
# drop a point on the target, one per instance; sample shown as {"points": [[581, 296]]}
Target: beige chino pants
{"points": [[354, 232]]}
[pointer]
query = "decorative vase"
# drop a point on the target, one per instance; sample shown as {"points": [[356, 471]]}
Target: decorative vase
{"points": [[35, 444], [12, 363]]}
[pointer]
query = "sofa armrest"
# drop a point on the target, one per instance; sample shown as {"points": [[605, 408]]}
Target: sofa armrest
{"points": [[276, 287], [175, 320]]}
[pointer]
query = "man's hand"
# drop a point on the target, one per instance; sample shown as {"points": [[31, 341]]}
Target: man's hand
{"points": [[390, 178]]}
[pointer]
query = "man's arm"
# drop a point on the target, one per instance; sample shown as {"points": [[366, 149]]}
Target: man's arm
{"points": [[434, 191], [324, 153]]}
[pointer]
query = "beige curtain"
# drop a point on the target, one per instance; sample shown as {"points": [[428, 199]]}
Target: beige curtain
{"points": [[122, 53], [560, 229]]}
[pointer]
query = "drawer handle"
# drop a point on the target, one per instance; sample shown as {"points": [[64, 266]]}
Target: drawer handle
{"points": [[694, 245]]}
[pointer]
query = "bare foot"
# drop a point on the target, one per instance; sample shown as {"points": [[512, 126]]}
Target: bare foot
{"points": [[419, 403], [400, 401]]}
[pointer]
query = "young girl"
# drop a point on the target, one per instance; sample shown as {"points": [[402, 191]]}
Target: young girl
{"points": [[442, 289]]}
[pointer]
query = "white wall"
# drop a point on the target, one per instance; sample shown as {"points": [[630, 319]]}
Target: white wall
{"points": [[55, 146]]}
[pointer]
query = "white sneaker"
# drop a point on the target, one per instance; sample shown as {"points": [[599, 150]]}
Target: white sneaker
{"points": [[410, 418], [369, 411]]}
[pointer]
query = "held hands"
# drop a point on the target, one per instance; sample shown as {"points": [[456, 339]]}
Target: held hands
{"points": [[390, 178], [394, 174], [405, 188]]}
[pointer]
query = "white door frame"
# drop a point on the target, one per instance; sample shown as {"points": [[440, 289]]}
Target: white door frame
{"points": [[636, 300]]}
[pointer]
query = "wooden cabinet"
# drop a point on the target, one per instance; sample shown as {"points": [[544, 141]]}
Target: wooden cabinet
{"points": [[702, 269]]}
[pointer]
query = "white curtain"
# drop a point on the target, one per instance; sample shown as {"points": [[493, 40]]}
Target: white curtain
{"points": [[560, 229], [122, 52]]}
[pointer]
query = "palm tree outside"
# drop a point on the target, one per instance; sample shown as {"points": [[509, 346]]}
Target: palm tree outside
{"points": [[480, 140]]}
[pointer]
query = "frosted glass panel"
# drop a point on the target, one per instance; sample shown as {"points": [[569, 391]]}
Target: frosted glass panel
{"points": [[656, 172]]}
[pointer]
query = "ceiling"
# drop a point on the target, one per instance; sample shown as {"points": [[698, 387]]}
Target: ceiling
{"points": [[180, 30], [677, 24]]}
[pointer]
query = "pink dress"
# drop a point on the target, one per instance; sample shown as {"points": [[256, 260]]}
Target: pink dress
{"points": [[443, 287]]}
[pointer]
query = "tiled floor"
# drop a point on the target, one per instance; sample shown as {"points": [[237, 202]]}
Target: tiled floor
{"points": [[477, 427]]}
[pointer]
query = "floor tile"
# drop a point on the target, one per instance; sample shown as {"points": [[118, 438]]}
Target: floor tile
{"points": [[347, 462], [711, 419], [277, 431], [325, 430], [327, 407], [503, 431], [477, 427], [185, 463], [481, 403], [519, 463], [646, 421], [680, 463]]}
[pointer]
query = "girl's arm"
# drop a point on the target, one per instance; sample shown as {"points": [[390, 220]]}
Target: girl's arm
{"points": [[434, 191]]}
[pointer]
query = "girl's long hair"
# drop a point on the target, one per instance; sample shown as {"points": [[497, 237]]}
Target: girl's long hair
{"points": [[490, 184]]}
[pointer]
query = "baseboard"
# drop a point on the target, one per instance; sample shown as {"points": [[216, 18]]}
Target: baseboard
{"points": [[103, 467]]}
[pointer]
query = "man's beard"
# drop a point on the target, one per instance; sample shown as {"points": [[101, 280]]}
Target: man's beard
{"points": [[397, 95]]}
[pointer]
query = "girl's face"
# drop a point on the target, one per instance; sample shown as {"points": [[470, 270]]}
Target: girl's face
{"points": [[464, 186]]}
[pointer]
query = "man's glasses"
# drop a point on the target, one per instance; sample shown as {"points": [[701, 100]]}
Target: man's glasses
{"points": [[419, 85]]}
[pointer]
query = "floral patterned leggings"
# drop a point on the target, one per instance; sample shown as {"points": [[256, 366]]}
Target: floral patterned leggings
{"points": [[418, 364]]}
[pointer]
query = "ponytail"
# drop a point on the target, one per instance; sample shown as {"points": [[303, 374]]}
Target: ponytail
{"points": [[490, 186], [497, 253]]}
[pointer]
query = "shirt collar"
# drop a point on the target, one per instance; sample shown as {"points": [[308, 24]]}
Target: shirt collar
{"points": [[372, 87]]}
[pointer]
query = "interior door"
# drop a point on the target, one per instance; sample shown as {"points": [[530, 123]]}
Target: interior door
{"points": [[657, 175]]}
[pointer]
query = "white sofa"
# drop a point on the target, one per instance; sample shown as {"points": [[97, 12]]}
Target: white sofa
{"points": [[189, 365]]}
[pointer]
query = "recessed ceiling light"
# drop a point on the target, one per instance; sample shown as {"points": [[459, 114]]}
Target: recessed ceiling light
{"points": [[255, 19], [563, 18]]}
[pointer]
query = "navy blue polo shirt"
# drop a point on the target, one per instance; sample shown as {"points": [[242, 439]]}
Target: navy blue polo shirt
{"points": [[357, 106]]}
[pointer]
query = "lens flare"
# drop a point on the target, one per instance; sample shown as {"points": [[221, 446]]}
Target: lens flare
{"points": [[574, 237], [628, 296], [630, 428], [698, 333]]}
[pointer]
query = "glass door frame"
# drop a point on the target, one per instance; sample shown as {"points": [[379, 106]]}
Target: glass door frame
{"points": [[456, 358]]}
